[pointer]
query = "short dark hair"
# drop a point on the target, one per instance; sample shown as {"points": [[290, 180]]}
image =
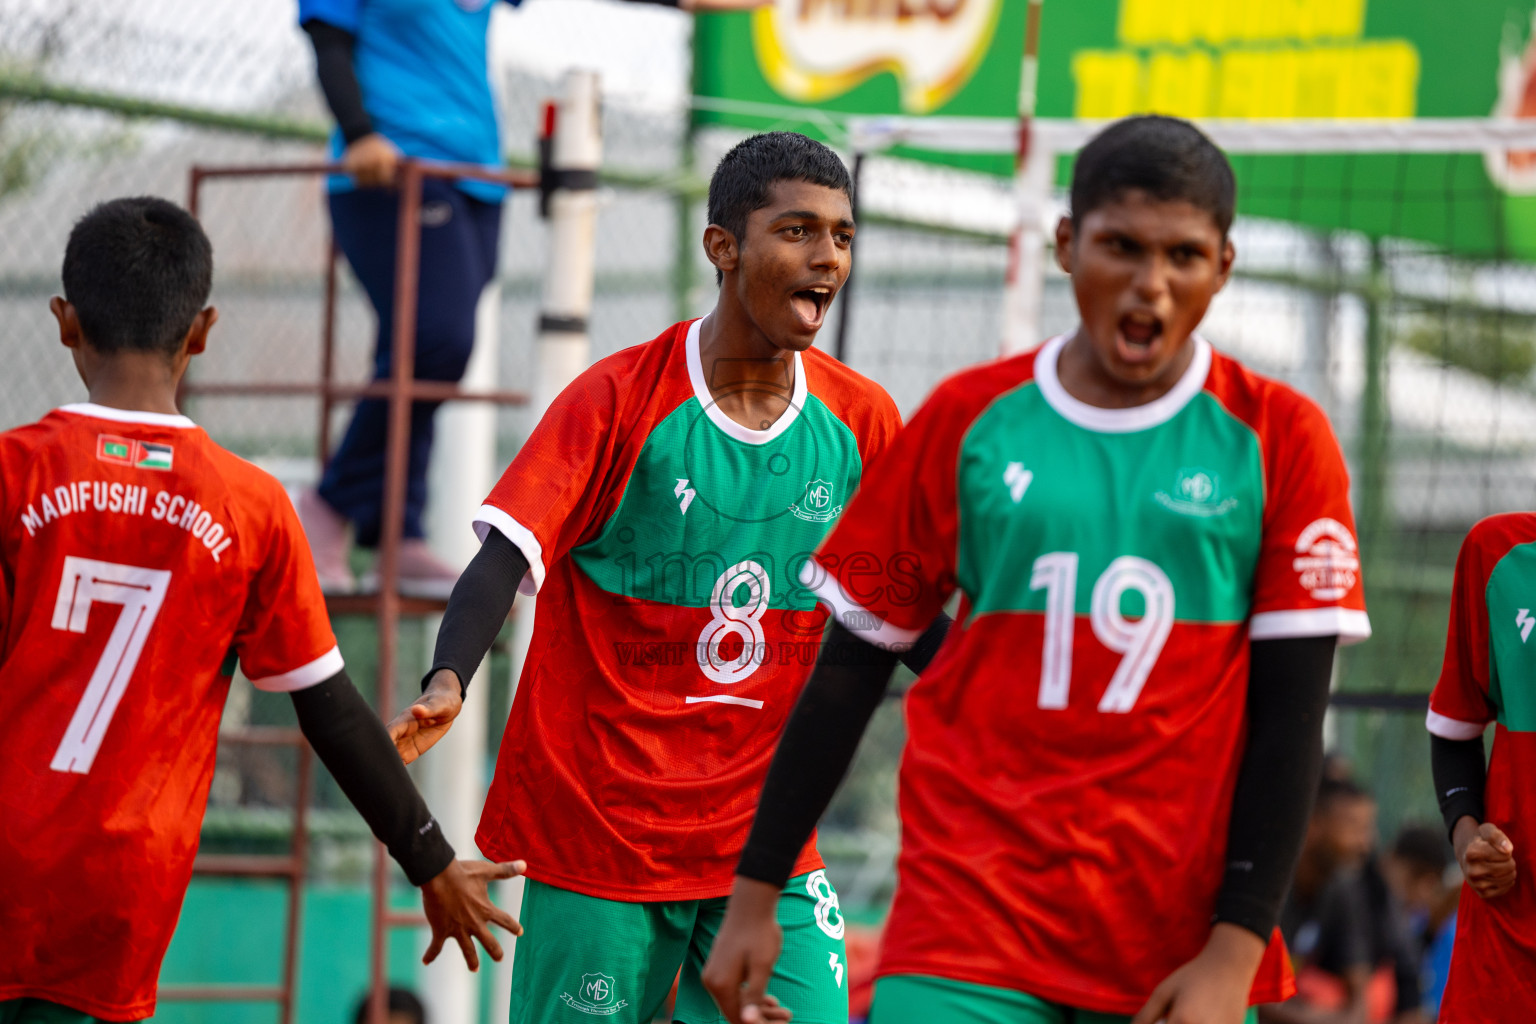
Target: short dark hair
{"points": [[137, 270], [1423, 848], [745, 175], [398, 1000], [1336, 791], [1167, 158]]}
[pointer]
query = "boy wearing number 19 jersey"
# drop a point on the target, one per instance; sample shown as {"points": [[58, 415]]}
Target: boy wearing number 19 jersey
{"points": [[1110, 759], [662, 510]]}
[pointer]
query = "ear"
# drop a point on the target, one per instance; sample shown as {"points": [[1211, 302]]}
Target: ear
{"points": [[721, 248], [197, 335], [1064, 238], [1228, 258], [69, 322]]}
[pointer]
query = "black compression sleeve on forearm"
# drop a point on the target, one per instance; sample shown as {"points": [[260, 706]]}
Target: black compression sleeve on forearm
{"points": [[481, 600], [351, 741], [926, 646], [814, 753], [1277, 777], [338, 79], [1461, 773]]}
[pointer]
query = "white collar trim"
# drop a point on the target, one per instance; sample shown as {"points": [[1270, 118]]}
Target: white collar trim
{"points": [[102, 412], [1120, 421], [717, 415]]}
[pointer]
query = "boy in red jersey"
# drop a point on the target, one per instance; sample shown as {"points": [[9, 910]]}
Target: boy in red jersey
{"points": [[662, 510], [1110, 761], [1490, 805], [140, 560]]}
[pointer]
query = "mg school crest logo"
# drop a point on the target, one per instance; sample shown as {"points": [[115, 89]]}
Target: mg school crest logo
{"points": [[816, 504], [1196, 492], [597, 996]]}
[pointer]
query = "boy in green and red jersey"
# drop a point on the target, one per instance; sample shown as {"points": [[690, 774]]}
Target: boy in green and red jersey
{"points": [[1487, 677], [662, 510], [1111, 759]]}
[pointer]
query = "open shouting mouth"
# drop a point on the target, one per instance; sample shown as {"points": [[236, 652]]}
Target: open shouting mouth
{"points": [[810, 304], [1139, 332]]}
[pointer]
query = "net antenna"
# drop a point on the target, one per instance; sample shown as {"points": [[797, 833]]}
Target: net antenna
{"points": [[1507, 147]]}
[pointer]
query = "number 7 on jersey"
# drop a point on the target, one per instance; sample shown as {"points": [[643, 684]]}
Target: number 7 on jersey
{"points": [[140, 591]]}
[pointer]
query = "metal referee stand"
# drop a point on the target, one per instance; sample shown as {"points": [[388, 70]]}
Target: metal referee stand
{"points": [[568, 180]]}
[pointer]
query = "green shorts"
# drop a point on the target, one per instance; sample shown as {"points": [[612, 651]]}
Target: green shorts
{"points": [[584, 960], [919, 999], [40, 1011]]}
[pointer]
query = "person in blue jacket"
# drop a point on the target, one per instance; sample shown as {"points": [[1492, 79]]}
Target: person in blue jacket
{"points": [[406, 78]]}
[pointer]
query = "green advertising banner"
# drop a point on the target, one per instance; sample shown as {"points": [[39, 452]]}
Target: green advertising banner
{"points": [[1306, 59], [1244, 59], [959, 58]]}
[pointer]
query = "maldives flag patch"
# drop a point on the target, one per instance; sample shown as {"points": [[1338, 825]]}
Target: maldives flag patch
{"points": [[127, 452]]}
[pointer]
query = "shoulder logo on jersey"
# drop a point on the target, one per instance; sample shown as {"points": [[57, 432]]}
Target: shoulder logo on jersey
{"points": [[816, 506], [684, 492], [596, 995], [125, 451], [1195, 492], [1326, 560], [1017, 479], [1525, 622]]}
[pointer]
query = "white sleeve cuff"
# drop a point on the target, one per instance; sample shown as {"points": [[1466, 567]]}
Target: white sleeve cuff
{"points": [[1350, 625], [490, 516], [1452, 728], [303, 677], [865, 625]]}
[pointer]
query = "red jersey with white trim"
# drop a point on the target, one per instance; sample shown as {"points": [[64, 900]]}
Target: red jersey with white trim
{"points": [[1489, 677], [671, 635], [1073, 747], [139, 559]]}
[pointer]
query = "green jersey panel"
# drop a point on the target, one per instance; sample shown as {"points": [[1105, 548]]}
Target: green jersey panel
{"points": [[1512, 661], [699, 501], [1186, 495]]}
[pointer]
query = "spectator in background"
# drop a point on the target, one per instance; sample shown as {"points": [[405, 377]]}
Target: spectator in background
{"points": [[401, 1005], [407, 78], [1328, 920], [1416, 869]]}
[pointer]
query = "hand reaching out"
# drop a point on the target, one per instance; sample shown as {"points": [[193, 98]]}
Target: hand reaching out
{"points": [[428, 720], [458, 906]]}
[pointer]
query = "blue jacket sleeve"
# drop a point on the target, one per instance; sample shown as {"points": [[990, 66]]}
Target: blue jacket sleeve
{"points": [[344, 14]]}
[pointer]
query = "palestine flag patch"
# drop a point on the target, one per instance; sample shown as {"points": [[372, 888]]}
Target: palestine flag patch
{"points": [[125, 451]]}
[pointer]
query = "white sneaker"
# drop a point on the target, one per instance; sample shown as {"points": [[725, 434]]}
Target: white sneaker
{"points": [[328, 542]]}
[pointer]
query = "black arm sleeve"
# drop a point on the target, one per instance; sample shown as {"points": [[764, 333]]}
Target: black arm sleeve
{"points": [[351, 741], [1460, 775], [338, 80], [814, 753], [481, 600], [1277, 778], [926, 646]]}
